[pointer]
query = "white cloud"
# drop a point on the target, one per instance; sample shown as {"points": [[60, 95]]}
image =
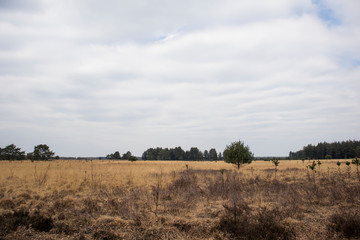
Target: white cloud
{"points": [[90, 78]]}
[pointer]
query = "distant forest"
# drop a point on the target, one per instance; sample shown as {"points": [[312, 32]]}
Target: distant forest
{"points": [[179, 154], [324, 150]]}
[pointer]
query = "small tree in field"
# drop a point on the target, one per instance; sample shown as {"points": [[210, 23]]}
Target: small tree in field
{"points": [[338, 164], [348, 168], [237, 153], [319, 163], [356, 161], [312, 167], [276, 163]]}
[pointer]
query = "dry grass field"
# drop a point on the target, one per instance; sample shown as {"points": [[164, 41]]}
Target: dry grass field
{"points": [[69, 199]]}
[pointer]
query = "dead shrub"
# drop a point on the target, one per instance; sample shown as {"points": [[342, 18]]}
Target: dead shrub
{"points": [[111, 223], [7, 204], [183, 193], [155, 233], [41, 223], [186, 182], [242, 223], [62, 204], [132, 205], [2, 192], [63, 227], [194, 228], [176, 206], [291, 201], [91, 205], [119, 207], [339, 191], [24, 195], [218, 187], [268, 225], [41, 177], [182, 226], [235, 220], [105, 235], [11, 221], [346, 223]]}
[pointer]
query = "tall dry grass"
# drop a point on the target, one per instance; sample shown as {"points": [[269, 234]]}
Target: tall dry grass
{"points": [[70, 199]]}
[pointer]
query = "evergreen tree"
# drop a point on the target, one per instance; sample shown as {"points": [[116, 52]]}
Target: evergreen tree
{"points": [[11, 152], [213, 154], [42, 152], [238, 154]]}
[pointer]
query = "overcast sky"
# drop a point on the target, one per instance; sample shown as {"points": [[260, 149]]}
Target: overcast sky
{"points": [[89, 77]]}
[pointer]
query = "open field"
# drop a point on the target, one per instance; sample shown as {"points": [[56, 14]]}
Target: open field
{"points": [[178, 200]]}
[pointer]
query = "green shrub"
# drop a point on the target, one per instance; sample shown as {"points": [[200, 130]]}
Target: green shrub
{"points": [[132, 158]]}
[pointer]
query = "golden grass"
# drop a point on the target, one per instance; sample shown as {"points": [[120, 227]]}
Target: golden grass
{"points": [[139, 173], [117, 199]]}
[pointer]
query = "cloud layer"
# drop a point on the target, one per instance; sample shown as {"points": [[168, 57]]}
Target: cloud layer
{"points": [[89, 78]]}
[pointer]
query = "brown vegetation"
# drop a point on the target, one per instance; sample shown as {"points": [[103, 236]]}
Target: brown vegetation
{"points": [[178, 200]]}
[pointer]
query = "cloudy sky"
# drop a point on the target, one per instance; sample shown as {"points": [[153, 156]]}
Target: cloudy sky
{"points": [[90, 77]]}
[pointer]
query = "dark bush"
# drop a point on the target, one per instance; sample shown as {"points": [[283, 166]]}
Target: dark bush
{"points": [[182, 226], [268, 226], [41, 223], [10, 222], [346, 223], [132, 159], [185, 182], [264, 224], [7, 204], [63, 227], [105, 235]]}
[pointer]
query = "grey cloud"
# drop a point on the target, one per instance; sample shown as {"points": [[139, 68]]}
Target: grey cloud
{"points": [[19, 5]]}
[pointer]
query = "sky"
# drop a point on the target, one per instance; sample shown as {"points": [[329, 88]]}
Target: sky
{"points": [[89, 78]]}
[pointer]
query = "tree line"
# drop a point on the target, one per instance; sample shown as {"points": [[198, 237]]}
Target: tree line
{"points": [[41, 152], [178, 153], [117, 156], [324, 150]]}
